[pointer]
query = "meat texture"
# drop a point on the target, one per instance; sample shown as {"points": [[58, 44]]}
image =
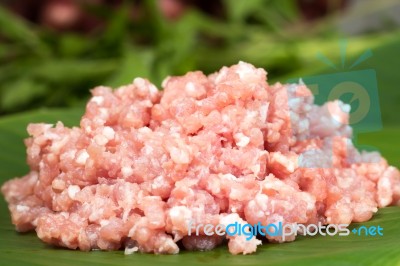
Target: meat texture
{"points": [[214, 149]]}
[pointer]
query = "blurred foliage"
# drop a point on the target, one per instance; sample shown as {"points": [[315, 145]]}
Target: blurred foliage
{"points": [[40, 67]]}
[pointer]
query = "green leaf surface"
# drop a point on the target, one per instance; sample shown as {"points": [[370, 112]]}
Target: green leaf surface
{"points": [[19, 30], [20, 92], [27, 249]]}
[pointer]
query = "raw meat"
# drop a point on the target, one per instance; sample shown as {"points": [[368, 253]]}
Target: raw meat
{"points": [[214, 149]]}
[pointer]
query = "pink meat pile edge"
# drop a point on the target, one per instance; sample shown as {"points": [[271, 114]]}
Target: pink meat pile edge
{"points": [[214, 149]]}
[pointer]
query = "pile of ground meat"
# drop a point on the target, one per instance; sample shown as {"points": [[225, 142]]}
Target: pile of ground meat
{"points": [[214, 149]]}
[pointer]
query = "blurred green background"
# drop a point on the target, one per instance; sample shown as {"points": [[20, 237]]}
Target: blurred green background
{"points": [[53, 51]]}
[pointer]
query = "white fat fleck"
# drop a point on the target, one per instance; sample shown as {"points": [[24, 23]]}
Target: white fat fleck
{"points": [[241, 139], [126, 171], [294, 103], [104, 222], [70, 154], [273, 205], [230, 219], [88, 129], [294, 118], [72, 190], [58, 184], [35, 222], [303, 125], [148, 150], [244, 70], [47, 126], [344, 107], [51, 135], [158, 182], [153, 89], [132, 230], [59, 144], [179, 156], [385, 182], [174, 131], [100, 140], [144, 130], [109, 133], [228, 176], [82, 157], [175, 212], [129, 251], [95, 215], [98, 99], [345, 182], [336, 120], [225, 118], [139, 82], [290, 165], [103, 112], [221, 75], [255, 168], [147, 103], [22, 208], [165, 81], [250, 115], [263, 112], [179, 212], [310, 200], [262, 200], [190, 88]]}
